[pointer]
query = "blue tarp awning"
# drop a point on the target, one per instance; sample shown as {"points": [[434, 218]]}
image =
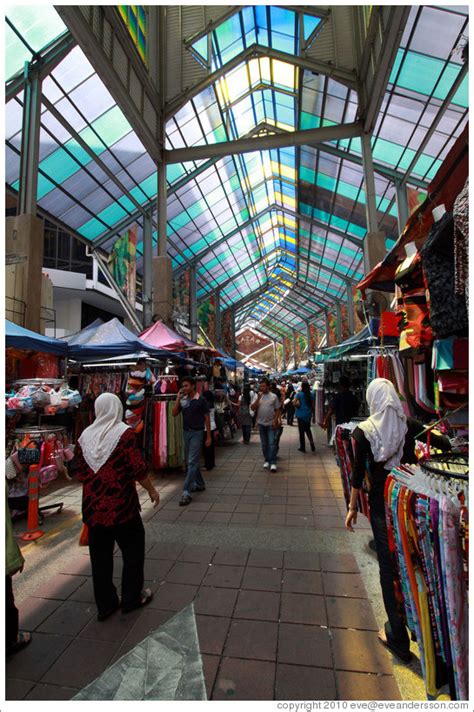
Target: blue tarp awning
{"points": [[368, 336], [109, 339], [18, 337]]}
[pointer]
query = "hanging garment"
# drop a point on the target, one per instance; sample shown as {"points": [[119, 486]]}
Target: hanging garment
{"points": [[448, 313], [461, 243]]}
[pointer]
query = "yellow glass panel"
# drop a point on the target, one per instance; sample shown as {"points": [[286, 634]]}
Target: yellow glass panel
{"points": [[222, 91], [286, 171], [285, 199], [265, 69], [254, 69], [285, 74]]}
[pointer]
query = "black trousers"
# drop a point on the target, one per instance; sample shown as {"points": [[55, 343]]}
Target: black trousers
{"points": [[209, 454], [11, 615], [290, 413], [246, 433], [304, 428], [130, 538], [395, 627]]}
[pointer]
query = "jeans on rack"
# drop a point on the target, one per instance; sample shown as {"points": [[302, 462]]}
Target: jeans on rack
{"points": [[395, 628], [193, 440], [269, 440]]}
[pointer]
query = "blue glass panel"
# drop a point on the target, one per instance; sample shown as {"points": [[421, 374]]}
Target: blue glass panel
{"points": [[310, 24]]}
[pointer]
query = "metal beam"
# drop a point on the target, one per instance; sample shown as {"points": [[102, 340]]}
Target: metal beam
{"points": [[382, 50], [350, 309], [46, 61], [338, 322], [343, 76], [434, 124], [369, 185], [127, 307], [98, 30], [218, 317], [30, 139], [193, 317], [327, 327], [261, 143], [92, 155]]}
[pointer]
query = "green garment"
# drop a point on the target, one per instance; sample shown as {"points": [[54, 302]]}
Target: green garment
{"points": [[13, 557]]}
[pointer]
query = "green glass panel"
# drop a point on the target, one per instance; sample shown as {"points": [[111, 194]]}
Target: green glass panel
{"points": [[309, 121], [201, 47], [38, 24], [197, 209], [174, 171], [44, 186], [420, 73], [111, 127], [92, 229]]}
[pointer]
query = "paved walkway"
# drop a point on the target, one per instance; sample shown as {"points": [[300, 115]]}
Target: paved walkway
{"points": [[281, 607]]}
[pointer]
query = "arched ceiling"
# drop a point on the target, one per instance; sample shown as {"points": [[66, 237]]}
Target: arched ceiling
{"points": [[279, 231]]}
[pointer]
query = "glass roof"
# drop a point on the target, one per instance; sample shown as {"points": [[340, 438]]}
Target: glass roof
{"points": [[284, 227]]}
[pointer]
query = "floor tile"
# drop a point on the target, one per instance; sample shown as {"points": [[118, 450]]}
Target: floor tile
{"points": [[302, 582], [256, 640], [301, 608], [59, 587], [81, 663], [262, 579], [146, 622], [173, 596], [33, 611], [69, 619], [210, 664], [187, 573], [224, 576], [258, 605], [248, 509], [370, 656], [303, 561], [266, 558], [223, 507], [165, 550], [197, 554], [244, 519], [212, 633], [48, 693], [345, 585], [304, 645], [231, 557], [191, 516], [38, 657], [244, 680], [17, 689], [350, 613], [296, 682], [217, 518], [360, 686], [215, 601], [339, 563]]}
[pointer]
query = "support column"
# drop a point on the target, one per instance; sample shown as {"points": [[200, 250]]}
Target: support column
{"points": [[162, 265], [234, 343], [25, 232], [350, 307], [338, 322], [284, 364], [193, 319], [294, 348], [147, 289], [374, 242], [218, 318], [275, 360], [308, 339], [402, 206], [327, 327]]}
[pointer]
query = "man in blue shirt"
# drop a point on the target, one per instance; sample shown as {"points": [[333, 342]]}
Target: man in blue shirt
{"points": [[195, 412]]}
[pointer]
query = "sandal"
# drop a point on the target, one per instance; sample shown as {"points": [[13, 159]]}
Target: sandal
{"points": [[404, 656], [103, 616], [146, 597], [24, 638]]}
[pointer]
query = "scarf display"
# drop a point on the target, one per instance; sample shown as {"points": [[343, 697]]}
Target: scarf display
{"points": [[386, 427], [163, 434], [427, 521], [99, 440]]}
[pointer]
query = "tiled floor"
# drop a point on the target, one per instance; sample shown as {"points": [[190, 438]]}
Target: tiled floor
{"points": [[273, 623]]}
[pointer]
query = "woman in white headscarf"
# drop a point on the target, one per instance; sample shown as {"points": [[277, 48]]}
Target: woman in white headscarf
{"points": [[383, 441], [108, 463]]}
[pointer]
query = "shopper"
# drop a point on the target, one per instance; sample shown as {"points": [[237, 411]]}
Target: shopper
{"points": [[195, 410], [381, 442], [108, 462], [290, 406], [210, 452], [304, 403], [15, 639], [267, 407], [344, 405], [245, 414]]}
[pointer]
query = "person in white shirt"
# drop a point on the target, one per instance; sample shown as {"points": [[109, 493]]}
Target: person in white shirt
{"points": [[268, 410]]}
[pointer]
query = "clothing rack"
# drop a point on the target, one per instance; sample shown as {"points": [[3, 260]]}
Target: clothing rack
{"points": [[33, 430], [430, 466], [39, 382]]}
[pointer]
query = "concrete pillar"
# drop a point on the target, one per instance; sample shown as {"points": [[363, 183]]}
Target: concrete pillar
{"points": [[294, 349], [147, 289], [284, 364], [163, 289], [369, 184], [374, 249], [193, 317], [29, 154], [350, 308], [218, 318], [25, 238]]}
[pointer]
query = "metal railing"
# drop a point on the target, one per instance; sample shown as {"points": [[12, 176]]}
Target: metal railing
{"points": [[15, 310]]}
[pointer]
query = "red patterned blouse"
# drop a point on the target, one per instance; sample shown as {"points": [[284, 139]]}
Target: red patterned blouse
{"points": [[109, 496]]}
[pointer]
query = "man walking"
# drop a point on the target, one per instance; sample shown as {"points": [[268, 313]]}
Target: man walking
{"points": [[267, 408], [195, 412]]}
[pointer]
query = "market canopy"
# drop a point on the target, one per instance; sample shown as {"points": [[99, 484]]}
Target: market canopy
{"points": [[368, 336], [20, 338], [161, 336], [279, 231], [109, 339]]}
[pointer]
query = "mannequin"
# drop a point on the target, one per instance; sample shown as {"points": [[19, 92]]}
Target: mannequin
{"points": [[438, 212]]}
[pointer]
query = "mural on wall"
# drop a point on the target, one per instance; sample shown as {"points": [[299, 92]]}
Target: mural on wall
{"points": [[344, 322], [228, 332], [358, 323], [314, 339], [287, 349], [332, 329], [122, 263], [248, 342], [301, 347], [207, 318], [181, 299]]}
